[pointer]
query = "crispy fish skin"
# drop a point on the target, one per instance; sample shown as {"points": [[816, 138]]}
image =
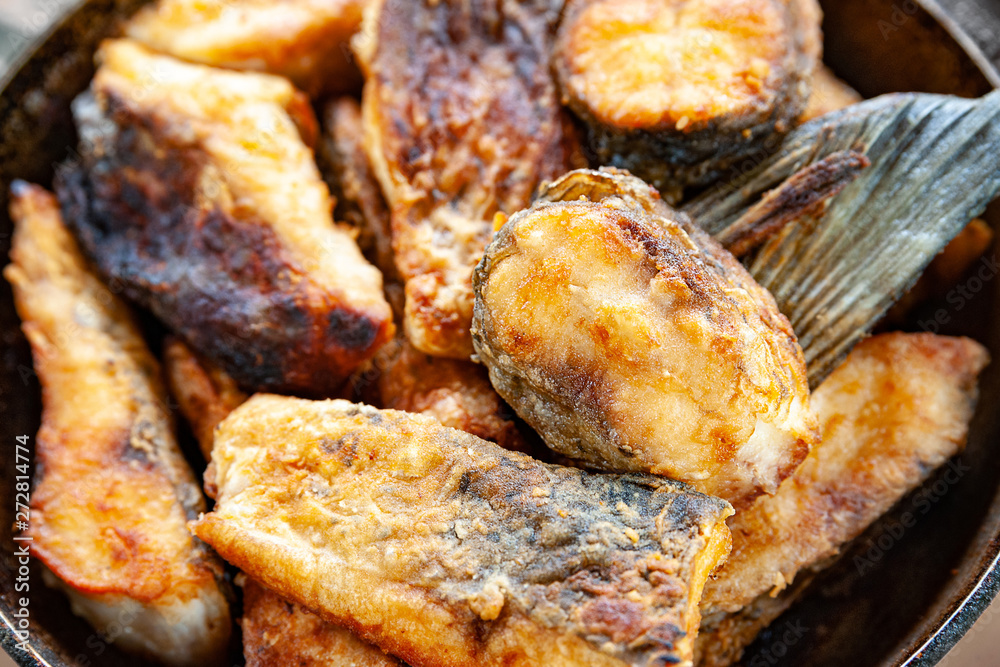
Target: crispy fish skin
{"points": [[676, 91], [279, 632], [205, 393], [307, 41], [462, 121], [897, 408], [445, 549], [112, 492], [630, 344], [196, 193], [457, 393]]}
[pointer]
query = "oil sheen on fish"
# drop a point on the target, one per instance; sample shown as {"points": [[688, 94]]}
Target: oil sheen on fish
{"points": [[445, 549], [678, 90], [462, 121], [197, 193], [897, 408], [112, 492], [631, 341], [307, 41]]}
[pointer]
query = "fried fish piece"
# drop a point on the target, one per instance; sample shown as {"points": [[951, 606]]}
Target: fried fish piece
{"points": [[676, 91], [278, 632], [631, 341], [112, 490], [445, 549], [827, 93], [897, 408], [307, 41], [205, 393], [456, 393], [196, 193], [461, 122]]}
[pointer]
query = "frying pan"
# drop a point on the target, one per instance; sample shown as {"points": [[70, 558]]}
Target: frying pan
{"points": [[912, 597]]}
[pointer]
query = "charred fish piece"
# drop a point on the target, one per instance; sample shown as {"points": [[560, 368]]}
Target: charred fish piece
{"points": [[445, 549], [307, 41], [195, 193], [112, 493], [462, 122], [676, 91], [630, 340], [836, 268], [895, 410]]}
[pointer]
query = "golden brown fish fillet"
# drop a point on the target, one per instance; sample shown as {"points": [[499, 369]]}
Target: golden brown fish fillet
{"points": [[678, 90], [827, 93], [461, 121], [456, 393], [896, 409], [112, 493], [196, 193], [307, 41], [632, 344], [279, 633], [445, 549], [205, 393]]}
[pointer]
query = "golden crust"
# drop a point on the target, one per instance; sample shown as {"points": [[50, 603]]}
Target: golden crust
{"points": [[461, 122], [196, 191], [307, 41], [109, 508], [445, 549], [895, 410], [205, 393], [278, 633], [676, 90], [630, 344]]}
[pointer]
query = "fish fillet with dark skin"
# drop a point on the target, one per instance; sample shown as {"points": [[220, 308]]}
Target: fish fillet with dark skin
{"points": [[112, 493], [462, 121], [630, 340], [196, 192], [679, 90], [897, 408], [445, 549], [307, 41]]}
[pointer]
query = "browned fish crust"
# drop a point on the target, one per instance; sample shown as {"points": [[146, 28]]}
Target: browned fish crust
{"points": [[112, 491], [462, 121], [279, 633], [456, 393], [205, 393], [897, 408], [307, 41], [162, 215], [445, 549], [678, 91], [631, 341]]}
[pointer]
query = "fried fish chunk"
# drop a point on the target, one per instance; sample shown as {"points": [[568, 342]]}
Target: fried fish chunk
{"points": [[112, 492], [205, 393], [277, 632], [445, 549], [196, 193], [631, 341], [897, 408], [461, 122], [676, 91], [456, 393], [307, 41]]}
